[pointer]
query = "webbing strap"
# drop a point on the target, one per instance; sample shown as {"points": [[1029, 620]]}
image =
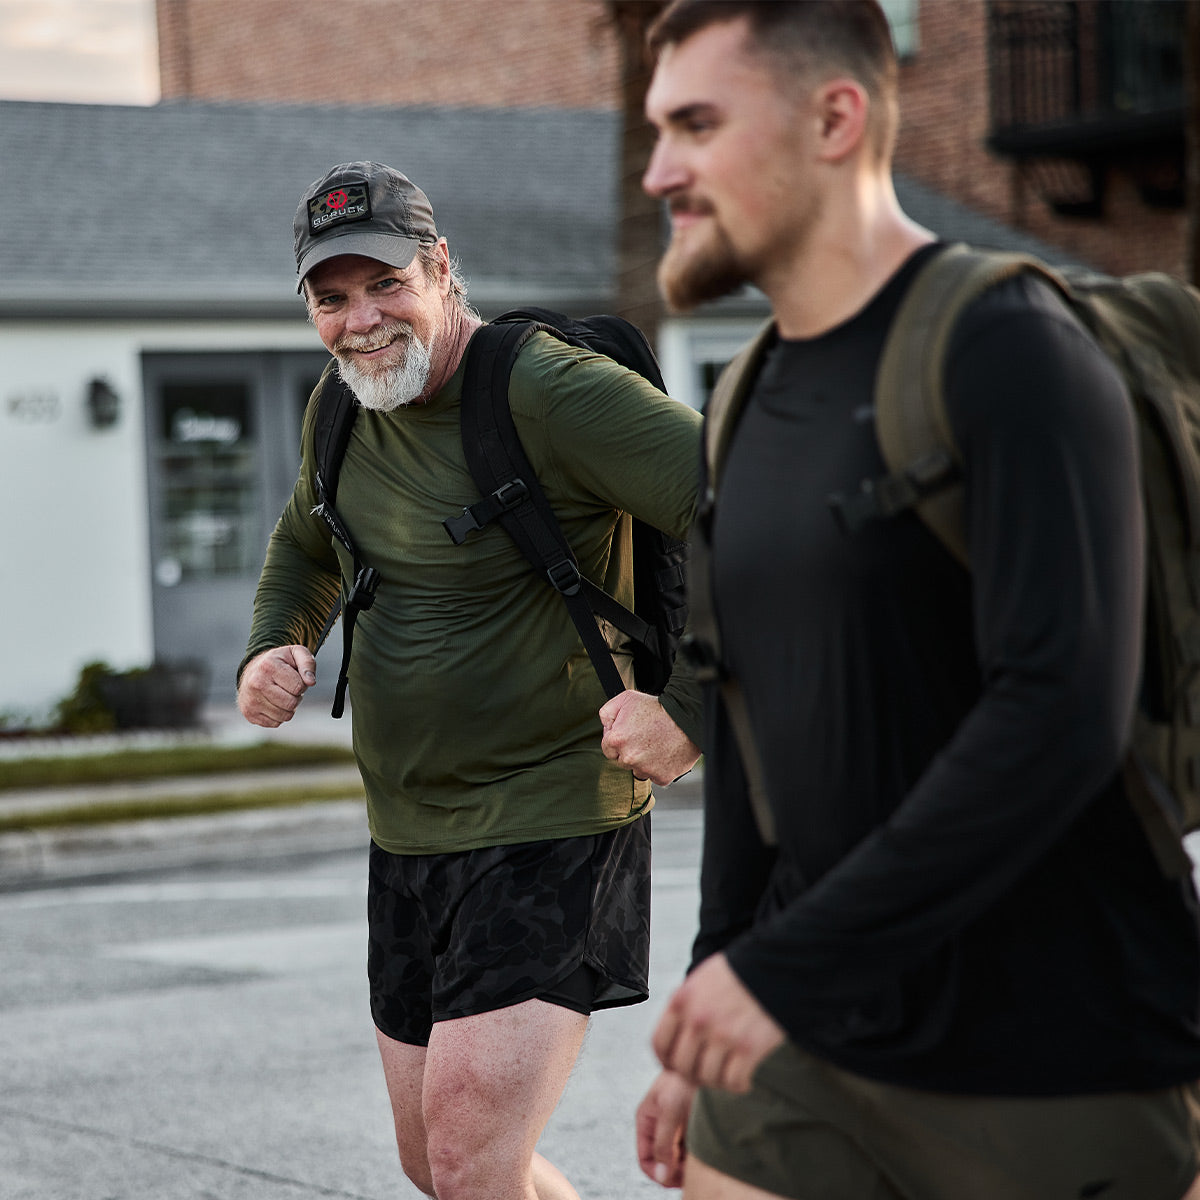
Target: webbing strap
{"points": [[615, 613], [703, 645], [361, 595], [336, 411], [496, 458], [911, 422], [339, 692], [1152, 802], [710, 670]]}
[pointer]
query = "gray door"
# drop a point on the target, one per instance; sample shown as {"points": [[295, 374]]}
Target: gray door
{"points": [[223, 438]]}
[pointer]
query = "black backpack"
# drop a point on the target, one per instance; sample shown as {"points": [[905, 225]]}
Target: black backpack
{"points": [[513, 497]]}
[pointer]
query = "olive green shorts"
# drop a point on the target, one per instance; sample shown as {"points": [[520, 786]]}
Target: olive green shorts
{"points": [[809, 1131]]}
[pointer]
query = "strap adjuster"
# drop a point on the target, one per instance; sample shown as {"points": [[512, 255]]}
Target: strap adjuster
{"points": [[883, 498], [564, 577], [362, 592], [475, 516]]}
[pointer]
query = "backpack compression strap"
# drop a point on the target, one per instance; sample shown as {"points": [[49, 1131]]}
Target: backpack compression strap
{"points": [[911, 423], [512, 494]]}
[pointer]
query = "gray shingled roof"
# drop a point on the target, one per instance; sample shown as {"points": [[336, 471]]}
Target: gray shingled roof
{"points": [[188, 208]]}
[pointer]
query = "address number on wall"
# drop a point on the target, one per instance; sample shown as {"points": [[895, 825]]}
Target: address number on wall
{"points": [[34, 408]]}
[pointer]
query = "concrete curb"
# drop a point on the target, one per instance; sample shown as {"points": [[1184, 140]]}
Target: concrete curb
{"points": [[75, 853], [177, 790]]}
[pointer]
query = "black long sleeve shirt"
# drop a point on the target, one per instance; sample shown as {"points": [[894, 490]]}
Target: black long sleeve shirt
{"points": [[962, 898]]}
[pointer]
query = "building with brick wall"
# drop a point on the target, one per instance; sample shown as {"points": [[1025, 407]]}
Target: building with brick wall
{"points": [[559, 53], [565, 53], [947, 118], [155, 358]]}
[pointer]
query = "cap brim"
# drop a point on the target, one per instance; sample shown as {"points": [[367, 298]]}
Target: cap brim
{"points": [[387, 248]]}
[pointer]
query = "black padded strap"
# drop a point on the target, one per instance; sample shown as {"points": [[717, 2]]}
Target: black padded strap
{"points": [[497, 460], [336, 411]]}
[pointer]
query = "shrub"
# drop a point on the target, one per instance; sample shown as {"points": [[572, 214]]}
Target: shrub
{"points": [[86, 710]]}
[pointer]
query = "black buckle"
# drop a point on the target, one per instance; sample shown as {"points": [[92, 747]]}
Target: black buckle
{"points": [[362, 593], [475, 516], [883, 498], [564, 577], [854, 510], [509, 495]]}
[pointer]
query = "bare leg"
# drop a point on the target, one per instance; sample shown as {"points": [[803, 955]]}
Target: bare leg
{"points": [[701, 1182], [486, 1086], [404, 1071]]}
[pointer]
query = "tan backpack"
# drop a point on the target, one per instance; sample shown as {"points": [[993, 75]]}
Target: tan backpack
{"points": [[1149, 325]]}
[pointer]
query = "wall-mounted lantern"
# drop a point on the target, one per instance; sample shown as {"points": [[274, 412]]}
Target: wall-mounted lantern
{"points": [[103, 403]]}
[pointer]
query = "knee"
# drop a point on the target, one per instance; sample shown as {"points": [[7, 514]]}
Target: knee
{"points": [[467, 1162], [414, 1159], [453, 1169], [416, 1168]]}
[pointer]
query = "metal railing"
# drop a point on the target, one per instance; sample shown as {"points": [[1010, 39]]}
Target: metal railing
{"points": [[1057, 63]]}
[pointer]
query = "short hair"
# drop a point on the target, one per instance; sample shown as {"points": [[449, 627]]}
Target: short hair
{"points": [[803, 37]]}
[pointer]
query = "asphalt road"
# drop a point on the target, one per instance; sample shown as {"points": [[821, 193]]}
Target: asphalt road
{"points": [[202, 1032]]}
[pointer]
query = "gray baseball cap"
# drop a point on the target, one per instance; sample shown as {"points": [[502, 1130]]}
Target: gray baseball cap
{"points": [[361, 208]]}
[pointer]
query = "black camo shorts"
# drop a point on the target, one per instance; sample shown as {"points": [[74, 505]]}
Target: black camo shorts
{"points": [[454, 935]]}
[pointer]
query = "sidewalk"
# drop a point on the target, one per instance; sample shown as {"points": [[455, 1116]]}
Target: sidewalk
{"points": [[76, 852], [222, 725], [29, 858]]}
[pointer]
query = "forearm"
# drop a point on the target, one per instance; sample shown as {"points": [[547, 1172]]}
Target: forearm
{"points": [[297, 588], [683, 699]]}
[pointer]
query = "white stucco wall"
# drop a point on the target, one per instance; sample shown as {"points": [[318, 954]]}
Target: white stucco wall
{"points": [[74, 541], [74, 545]]}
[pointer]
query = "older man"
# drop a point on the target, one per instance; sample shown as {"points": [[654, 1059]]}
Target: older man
{"points": [[508, 894]]}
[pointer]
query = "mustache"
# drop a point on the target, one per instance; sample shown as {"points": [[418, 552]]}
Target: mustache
{"points": [[683, 203], [382, 336]]}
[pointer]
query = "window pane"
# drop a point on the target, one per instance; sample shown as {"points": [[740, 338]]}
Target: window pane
{"points": [[207, 450]]}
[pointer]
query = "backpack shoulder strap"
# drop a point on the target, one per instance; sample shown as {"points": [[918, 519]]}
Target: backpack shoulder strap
{"points": [[728, 398], [657, 619], [911, 422], [703, 643], [336, 411], [512, 494], [604, 333]]}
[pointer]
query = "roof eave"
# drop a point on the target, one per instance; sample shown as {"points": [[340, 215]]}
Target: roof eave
{"points": [[241, 303]]}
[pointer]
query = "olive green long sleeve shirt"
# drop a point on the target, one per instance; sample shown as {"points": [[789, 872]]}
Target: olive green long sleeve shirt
{"points": [[474, 702]]}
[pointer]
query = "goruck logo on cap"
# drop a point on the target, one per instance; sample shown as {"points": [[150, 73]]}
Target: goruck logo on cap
{"points": [[340, 205]]}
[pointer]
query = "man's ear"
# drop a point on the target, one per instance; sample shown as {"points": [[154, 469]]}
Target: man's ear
{"points": [[843, 109], [444, 278]]}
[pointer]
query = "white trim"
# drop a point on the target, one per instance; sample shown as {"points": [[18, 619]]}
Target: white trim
{"points": [[686, 345]]}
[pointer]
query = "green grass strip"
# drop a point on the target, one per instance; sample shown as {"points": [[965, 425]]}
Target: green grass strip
{"points": [[185, 806], [124, 765]]}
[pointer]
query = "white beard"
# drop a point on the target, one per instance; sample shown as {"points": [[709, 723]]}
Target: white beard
{"points": [[392, 386]]}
